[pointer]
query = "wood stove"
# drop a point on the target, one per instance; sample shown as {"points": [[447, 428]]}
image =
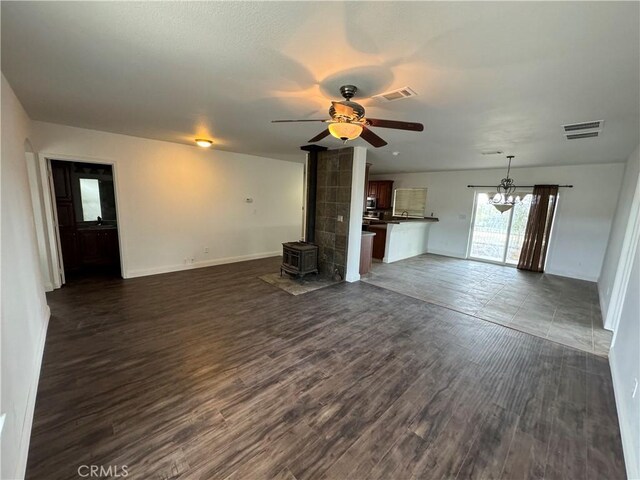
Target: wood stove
{"points": [[299, 258]]}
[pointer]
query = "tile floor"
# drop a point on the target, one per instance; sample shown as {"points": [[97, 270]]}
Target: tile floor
{"points": [[560, 309]]}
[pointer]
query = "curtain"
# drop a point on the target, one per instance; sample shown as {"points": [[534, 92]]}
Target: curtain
{"points": [[536, 236]]}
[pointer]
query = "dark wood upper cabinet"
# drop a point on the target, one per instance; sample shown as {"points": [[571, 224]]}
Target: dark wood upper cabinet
{"points": [[382, 190]]}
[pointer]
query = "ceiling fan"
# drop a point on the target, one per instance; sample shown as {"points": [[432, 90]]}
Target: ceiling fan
{"points": [[348, 121]]}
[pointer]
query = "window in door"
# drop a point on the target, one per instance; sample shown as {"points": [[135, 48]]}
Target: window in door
{"points": [[496, 236]]}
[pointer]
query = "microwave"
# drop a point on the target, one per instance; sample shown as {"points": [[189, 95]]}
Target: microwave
{"points": [[371, 203]]}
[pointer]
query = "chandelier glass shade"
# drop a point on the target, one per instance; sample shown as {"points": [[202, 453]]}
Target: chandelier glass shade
{"points": [[506, 196], [345, 130]]}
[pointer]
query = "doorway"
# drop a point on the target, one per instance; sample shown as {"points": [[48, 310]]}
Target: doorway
{"points": [[498, 236], [87, 227]]}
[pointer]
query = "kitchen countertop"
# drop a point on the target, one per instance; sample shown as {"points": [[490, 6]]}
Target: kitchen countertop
{"points": [[97, 227], [368, 234]]}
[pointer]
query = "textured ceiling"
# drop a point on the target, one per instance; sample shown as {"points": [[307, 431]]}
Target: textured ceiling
{"points": [[489, 76]]}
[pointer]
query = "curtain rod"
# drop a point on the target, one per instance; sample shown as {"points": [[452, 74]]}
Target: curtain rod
{"points": [[516, 186]]}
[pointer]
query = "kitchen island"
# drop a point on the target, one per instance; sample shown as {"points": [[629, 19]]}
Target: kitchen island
{"points": [[399, 238]]}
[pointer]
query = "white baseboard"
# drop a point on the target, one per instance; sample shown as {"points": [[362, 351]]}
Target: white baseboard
{"points": [[25, 437], [574, 275], [207, 263], [631, 458], [445, 253]]}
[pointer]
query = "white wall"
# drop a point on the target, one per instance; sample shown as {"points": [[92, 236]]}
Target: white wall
{"points": [[624, 359], [582, 223], [618, 231], [23, 312], [176, 200], [354, 244], [619, 287]]}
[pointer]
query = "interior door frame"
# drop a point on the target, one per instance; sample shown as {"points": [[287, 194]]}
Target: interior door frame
{"points": [[52, 215], [625, 264], [59, 267]]}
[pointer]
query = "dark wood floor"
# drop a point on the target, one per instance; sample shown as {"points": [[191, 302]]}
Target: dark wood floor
{"points": [[214, 374]]}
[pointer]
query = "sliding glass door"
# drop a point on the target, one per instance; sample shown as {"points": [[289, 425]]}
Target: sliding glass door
{"points": [[498, 237]]}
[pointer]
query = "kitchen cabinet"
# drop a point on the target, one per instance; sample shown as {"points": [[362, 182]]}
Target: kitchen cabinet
{"points": [[98, 246], [366, 252], [379, 241], [382, 191]]}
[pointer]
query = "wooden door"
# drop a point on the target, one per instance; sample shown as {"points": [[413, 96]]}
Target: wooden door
{"points": [[70, 251], [61, 175]]}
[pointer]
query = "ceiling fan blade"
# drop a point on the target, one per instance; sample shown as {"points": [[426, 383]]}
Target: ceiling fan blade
{"points": [[283, 121], [342, 109], [320, 136], [372, 138], [398, 125]]}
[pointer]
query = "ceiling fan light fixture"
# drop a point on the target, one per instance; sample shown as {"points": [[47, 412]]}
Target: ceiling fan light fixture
{"points": [[203, 142], [345, 130]]}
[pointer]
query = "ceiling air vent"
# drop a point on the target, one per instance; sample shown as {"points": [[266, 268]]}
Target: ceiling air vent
{"points": [[575, 136], [595, 125], [404, 92], [575, 131]]}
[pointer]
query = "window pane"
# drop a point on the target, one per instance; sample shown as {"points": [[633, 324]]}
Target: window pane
{"points": [[90, 194], [410, 200], [489, 231], [518, 227]]}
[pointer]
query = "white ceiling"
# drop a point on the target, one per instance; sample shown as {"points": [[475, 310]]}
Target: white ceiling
{"points": [[490, 76]]}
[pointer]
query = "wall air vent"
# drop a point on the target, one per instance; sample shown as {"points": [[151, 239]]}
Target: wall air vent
{"points": [[576, 136], [404, 92]]}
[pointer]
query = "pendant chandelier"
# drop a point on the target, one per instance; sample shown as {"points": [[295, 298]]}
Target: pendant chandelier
{"points": [[505, 197]]}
